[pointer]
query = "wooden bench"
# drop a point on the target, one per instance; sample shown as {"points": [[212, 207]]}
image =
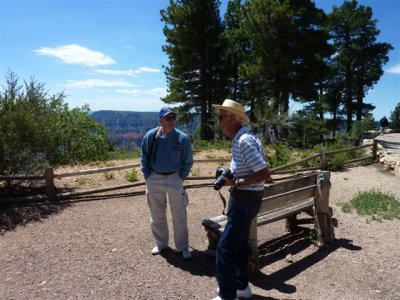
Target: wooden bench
{"points": [[285, 200]]}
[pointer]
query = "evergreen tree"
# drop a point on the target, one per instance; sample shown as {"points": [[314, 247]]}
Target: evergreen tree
{"points": [[394, 118], [287, 50], [235, 50], [359, 58], [193, 45]]}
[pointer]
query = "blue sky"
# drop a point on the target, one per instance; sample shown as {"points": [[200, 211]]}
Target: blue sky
{"points": [[107, 53]]}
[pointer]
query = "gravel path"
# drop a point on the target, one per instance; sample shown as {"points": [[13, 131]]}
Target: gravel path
{"points": [[98, 247]]}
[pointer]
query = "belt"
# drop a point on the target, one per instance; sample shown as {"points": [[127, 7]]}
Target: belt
{"points": [[164, 173]]}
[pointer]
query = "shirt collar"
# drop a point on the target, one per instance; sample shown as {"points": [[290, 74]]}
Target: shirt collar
{"points": [[243, 130]]}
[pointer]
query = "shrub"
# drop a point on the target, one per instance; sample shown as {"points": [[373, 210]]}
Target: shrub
{"points": [[374, 203], [131, 176], [337, 163], [280, 155]]}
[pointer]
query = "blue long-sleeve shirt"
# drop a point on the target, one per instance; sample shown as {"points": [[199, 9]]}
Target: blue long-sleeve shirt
{"points": [[171, 153]]}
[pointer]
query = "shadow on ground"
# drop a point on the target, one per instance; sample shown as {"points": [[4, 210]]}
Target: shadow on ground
{"points": [[285, 246], [20, 214], [269, 252]]}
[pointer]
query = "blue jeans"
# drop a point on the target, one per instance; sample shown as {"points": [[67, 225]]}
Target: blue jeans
{"points": [[233, 249]]}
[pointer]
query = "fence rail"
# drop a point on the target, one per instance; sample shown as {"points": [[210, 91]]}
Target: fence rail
{"points": [[52, 195]]}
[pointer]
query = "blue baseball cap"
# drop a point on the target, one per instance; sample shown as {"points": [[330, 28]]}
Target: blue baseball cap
{"points": [[165, 111]]}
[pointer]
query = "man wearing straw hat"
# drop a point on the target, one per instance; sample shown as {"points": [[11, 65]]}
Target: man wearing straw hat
{"points": [[250, 171]]}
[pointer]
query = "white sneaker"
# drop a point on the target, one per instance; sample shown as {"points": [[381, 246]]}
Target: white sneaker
{"points": [[157, 250], [219, 298], [246, 293], [186, 254]]}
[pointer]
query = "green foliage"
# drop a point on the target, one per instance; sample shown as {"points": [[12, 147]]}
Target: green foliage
{"points": [[194, 76], [81, 138], [109, 175], [337, 162], [347, 207], [28, 126], [359, 127], [385, 169], [83, 180], [394, 122], [195, 171], [202, 145], [357, 64], [131, 176], [312, 238], [38, 130], [306, 129], [285, 55], [125, 154], [279, 155], [374, 203]]}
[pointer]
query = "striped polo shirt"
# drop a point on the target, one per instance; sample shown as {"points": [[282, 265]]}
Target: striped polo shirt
{"points": [[247, 157]]}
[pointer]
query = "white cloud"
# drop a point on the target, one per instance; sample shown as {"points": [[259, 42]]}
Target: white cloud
{"points": [[75, 54], [394, 70], [147, 70], [92, 83], [128, 72], [157, 92]]}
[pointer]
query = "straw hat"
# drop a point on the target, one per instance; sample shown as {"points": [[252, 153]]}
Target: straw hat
{"points": [[235, 108]]}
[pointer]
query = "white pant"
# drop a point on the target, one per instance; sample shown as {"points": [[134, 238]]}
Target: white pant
{"points": [[158, 186]]}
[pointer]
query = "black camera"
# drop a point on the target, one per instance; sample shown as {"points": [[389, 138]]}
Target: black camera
{"points": [[220, 175]]}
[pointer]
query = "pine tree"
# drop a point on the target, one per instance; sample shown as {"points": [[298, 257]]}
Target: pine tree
{"points": [[194, 75], [359, 58]]}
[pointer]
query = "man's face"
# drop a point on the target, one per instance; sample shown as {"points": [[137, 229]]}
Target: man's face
{"points": [[225, 120], [168, 122]]}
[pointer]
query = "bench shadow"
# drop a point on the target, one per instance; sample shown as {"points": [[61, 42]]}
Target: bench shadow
{"points": [[291, 244]]}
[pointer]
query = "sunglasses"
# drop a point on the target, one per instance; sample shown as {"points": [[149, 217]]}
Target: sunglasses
{"points": [[170, 118]]}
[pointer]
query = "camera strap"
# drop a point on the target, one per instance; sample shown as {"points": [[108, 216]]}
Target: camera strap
{"points": [[223, 202]]}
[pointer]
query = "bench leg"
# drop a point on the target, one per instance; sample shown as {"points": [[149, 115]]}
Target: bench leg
{"points": [[212, 241], [291, 223]]}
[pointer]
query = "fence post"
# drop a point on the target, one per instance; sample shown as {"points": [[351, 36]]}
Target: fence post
{"points": [[323, 213], [50, 188], [323, 160], [375, 150]]}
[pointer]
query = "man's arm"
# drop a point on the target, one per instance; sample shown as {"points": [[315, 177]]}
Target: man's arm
{"points": [[144, 158], [187, 160], [261, 175]]}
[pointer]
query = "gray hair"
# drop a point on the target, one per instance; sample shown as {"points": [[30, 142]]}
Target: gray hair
{"points": [[240, 120]]}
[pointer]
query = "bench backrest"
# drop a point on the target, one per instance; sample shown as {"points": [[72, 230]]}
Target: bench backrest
{"points": [[288, 192]]}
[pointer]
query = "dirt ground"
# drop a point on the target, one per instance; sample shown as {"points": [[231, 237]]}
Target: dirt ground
{"points": [[98, 247]]}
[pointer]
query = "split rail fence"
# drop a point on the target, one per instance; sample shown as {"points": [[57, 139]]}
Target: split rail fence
{"points": [[51, 191]]}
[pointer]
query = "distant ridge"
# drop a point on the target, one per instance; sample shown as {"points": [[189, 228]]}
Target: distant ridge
{"points": [[127, 128]]}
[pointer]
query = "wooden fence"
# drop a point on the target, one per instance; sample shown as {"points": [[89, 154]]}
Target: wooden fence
{"points": [[51, 192]]}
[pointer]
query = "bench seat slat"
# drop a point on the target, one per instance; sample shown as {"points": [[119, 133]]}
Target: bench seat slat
{"points": [[218, 223]]}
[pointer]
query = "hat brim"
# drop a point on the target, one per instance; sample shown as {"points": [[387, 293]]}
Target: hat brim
{"points": [[237, 113], [170, 112]]}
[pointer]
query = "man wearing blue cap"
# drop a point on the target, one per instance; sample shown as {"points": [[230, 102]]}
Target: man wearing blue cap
{"points": [[166, 162]]}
